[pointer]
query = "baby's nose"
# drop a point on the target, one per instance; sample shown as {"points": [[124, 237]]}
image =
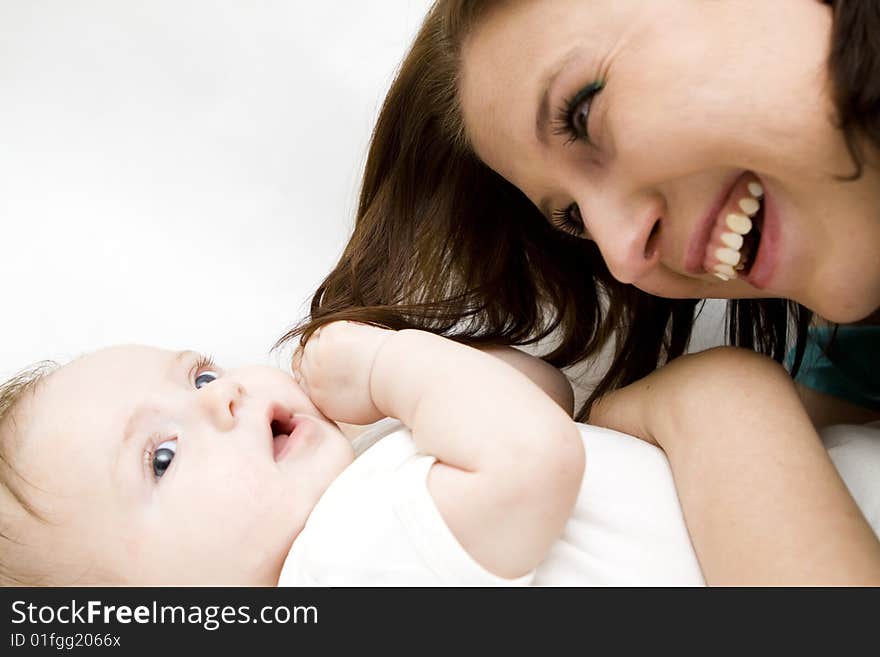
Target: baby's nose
{"points": [[222, 400]]}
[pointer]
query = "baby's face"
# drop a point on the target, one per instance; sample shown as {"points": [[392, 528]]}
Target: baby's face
{"points": [[154, 467]]}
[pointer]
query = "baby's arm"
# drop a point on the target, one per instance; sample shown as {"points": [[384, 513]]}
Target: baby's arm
{"points": [[510, 461], [761, 498], [548, 378]]}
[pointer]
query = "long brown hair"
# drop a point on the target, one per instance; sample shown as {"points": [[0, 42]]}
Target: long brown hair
{"points": [[443, 243]]}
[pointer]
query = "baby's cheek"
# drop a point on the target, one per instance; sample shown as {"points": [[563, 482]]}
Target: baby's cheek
{"points": [[244, 484], [300, 402], [133, 546]]}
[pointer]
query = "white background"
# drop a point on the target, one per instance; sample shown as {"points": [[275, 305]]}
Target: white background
{"points": [[181, 173]]}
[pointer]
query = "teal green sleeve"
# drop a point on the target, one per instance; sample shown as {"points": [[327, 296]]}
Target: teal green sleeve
{"points": [[848, 369]]}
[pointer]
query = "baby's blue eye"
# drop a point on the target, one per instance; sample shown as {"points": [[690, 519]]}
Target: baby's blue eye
{"points": [[162, 457], [205, 378]]}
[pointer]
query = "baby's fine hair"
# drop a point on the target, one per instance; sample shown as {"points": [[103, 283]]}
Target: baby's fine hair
{"points": [[12, 483]]}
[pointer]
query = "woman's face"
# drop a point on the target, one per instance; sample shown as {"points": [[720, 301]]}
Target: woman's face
{"points": [[642, 125]]}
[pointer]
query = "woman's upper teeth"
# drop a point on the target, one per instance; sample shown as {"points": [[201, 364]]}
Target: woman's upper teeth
{"points": [[738, 223], [724, 259], [732, 240], [749, 205]]}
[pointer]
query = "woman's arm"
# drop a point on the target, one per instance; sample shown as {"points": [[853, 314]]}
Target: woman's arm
{"points": [[510, 461], [761, 498]]}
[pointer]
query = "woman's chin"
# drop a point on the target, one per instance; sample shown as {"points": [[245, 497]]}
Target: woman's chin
{"points": [[844, 310]]}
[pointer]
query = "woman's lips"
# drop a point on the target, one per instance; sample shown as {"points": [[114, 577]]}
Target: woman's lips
{"points": [[696, 251]]}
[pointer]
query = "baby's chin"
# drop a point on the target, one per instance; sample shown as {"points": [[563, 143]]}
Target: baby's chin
{"points": [[264, 573]]}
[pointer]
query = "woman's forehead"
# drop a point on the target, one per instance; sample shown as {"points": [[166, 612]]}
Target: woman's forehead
{"points": [[508, 63]]}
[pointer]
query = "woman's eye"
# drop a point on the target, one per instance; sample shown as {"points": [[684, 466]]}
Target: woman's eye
{"points": [[580, 118], [162, 457], [569, 220], [204, 378], [573, 118]]}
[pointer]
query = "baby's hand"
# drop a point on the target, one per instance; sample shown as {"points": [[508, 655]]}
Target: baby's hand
{"points": [[334, 369]]}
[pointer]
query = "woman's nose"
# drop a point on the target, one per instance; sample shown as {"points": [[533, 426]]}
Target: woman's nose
{"points": [[627, 236], [221, 400]]}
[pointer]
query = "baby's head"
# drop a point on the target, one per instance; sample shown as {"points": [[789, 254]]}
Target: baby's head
{"points": [[135, 465]]}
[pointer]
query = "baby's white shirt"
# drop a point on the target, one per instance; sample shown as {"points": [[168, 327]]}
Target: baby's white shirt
{"points": [[377, 524]]}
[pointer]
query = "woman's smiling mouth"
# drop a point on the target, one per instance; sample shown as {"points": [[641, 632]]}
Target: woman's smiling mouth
{"points": [[736, 235], [727, 241]]}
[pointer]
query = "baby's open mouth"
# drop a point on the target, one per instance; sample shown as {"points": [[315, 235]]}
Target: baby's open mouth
{"points": [[282, 425], [735, 239]]}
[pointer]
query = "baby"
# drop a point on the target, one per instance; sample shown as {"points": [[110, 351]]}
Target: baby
{"points": [[133, 465]]}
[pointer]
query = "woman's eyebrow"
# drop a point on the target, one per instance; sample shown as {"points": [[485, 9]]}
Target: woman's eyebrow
{"points": [[545, 208], [542, 118]]}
